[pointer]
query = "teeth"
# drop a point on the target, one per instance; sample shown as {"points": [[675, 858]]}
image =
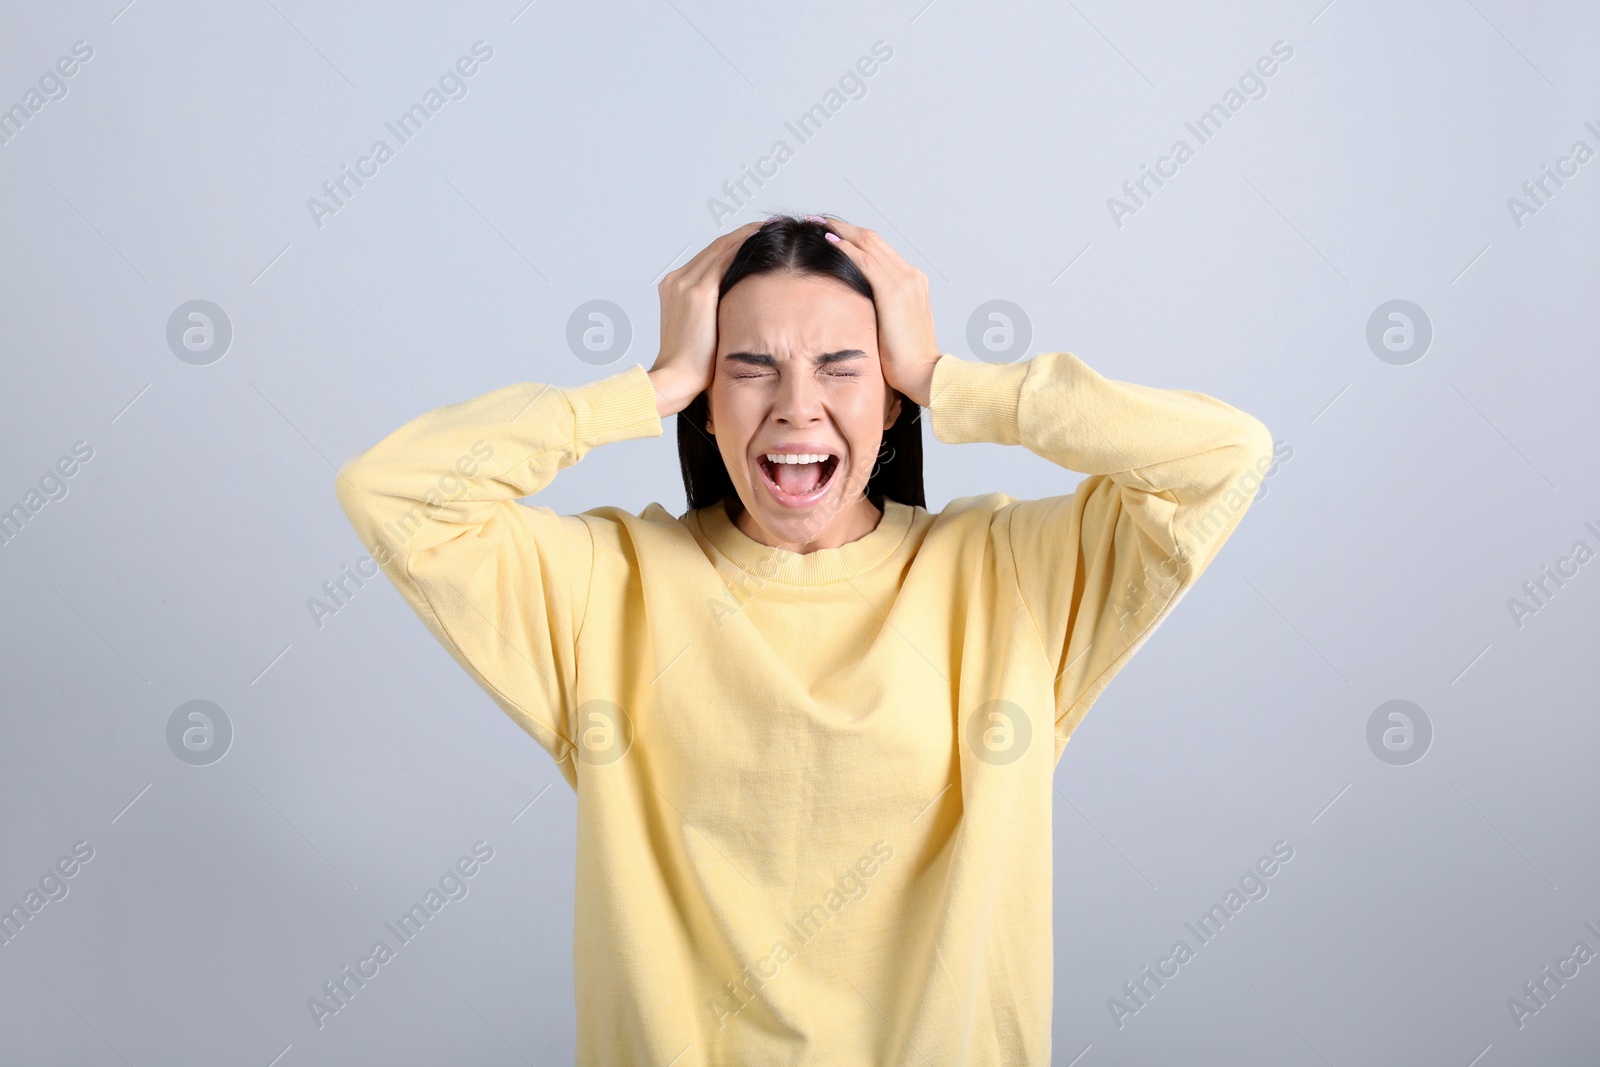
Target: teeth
{"points": [[801, 457]]}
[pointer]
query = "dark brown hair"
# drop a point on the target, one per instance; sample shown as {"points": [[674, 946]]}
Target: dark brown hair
{"points": [[787, 242]]}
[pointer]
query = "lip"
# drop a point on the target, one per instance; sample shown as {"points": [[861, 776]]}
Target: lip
{"points": [[803, 500], [800, 447]]}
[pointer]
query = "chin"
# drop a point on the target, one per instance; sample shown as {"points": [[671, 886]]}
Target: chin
{"points": [[802, 523]]}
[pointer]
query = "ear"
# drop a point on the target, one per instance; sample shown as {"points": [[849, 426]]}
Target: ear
{"points": [[893, 412]]}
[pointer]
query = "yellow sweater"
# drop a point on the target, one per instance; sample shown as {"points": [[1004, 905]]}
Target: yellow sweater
{"points": [[814, 791]]}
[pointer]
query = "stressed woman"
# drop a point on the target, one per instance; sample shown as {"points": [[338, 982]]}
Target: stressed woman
{"points": [[812, 726]]}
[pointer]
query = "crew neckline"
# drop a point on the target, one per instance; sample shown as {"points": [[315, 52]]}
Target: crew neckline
{"points": [[812, 568]]}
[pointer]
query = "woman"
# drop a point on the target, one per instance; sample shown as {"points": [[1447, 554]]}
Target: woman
{"points": [[812, 727]]}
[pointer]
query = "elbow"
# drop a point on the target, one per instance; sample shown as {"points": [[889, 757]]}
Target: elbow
{"points": [[349, 485], [1249, 453], [1199, 532], [1259, 443], [364, 508], [1254, 461]]}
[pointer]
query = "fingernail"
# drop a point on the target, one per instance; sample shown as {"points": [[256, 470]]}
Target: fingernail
{"points": [[830, 235], [816, 218]]}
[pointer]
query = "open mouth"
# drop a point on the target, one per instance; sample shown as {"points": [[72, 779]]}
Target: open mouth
{"points": [[795, 484]]}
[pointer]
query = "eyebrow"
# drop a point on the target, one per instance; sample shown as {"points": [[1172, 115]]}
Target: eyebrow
{"points": [[762, 359]]}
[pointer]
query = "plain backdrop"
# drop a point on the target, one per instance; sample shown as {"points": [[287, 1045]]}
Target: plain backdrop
{"points": [[1420, 487]]}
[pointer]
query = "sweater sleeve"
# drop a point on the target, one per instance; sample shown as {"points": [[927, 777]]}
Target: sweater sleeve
{"points": [[1170, 473], [502, 585]]}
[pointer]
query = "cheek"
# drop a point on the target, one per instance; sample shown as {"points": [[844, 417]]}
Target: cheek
{"points": [[866, 418], [734, 436], [725, 409]]}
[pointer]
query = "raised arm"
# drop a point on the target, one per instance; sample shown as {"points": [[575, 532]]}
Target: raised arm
{"points": [[502, 585], [1170, 474]]}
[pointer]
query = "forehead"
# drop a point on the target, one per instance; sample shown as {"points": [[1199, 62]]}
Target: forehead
{"points": [[779, 311]]}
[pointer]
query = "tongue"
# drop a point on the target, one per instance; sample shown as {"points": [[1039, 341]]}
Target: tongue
{"points": [[798, 478]]}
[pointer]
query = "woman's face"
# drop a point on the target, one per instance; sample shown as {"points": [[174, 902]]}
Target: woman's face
{"points": [[797, 371]]}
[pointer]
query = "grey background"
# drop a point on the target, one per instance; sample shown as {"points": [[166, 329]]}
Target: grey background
{"points": [[1376, 566]]}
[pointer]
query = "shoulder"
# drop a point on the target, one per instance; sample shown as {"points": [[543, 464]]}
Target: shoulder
{"points": [[615, 527], [973, 512], [966, 524]]}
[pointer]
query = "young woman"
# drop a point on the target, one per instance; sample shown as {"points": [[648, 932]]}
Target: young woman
{"points": [[812, 726]]}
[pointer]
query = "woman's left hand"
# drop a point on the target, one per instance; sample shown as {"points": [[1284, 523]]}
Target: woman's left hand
{"points": [[906, 344]]}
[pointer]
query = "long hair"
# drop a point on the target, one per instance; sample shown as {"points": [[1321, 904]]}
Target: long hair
{"points": [[786, 242]]}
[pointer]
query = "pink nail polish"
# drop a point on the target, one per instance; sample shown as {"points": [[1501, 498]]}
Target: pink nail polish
{"points": [[830, 235]]}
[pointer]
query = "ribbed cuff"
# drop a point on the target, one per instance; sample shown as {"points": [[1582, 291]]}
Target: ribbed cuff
{"points": [[617, 408], [969, 400]]}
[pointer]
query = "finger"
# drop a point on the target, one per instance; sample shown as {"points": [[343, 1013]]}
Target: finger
{"points": [[879, 272], [725, 246], [723, 250], [872, 242], [730, 243], [854, 251], [718, 251], [862, 236]]}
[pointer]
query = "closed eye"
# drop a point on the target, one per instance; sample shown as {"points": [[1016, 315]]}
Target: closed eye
{"points": [[831, 374]]}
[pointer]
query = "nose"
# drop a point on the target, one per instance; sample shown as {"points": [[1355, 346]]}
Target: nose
{"points": [[798, 400]]}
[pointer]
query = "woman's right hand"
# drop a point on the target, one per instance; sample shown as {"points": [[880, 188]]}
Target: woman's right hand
{"points": [[683, 367]]}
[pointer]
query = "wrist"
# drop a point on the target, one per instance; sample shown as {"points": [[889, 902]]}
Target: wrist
{"points": [[975, 400], [918, 388], [673, 393]]}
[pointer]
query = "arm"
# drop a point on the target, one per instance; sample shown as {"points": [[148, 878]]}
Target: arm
{"points": [[503, 586], [1170, 474]]}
